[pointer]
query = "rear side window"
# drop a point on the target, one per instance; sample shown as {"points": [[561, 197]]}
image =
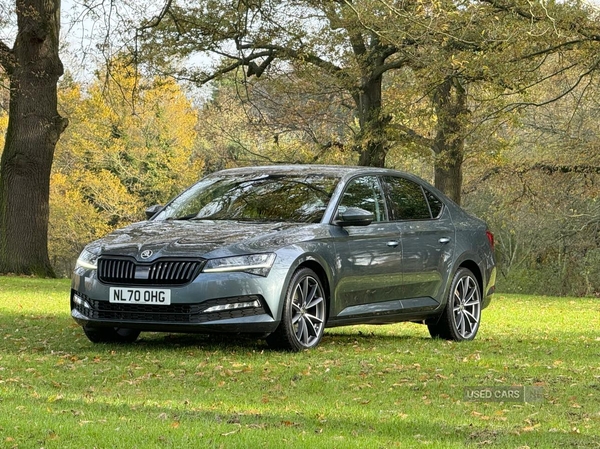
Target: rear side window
{"points": [[407, 199], [434, 203]]}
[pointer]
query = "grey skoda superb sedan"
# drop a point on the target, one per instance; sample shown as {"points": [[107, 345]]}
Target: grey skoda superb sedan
{"points": [[282, 252]]}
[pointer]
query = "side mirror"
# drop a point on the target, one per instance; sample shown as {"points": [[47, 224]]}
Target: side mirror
{"points": [[153, 210], [354, 216]]}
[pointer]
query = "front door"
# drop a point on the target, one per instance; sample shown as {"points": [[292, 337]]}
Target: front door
{"points": [[368, 257]]}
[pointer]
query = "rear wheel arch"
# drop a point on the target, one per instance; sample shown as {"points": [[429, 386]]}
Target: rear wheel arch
{"points": [[473, 268], [461, 316]]}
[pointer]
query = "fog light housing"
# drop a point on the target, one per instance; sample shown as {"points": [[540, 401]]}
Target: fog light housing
{"points": [[79, 301], [233, 306]]}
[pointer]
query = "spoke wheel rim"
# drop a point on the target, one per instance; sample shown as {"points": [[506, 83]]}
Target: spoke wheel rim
{"points": [[308, 311], [466, 307]]}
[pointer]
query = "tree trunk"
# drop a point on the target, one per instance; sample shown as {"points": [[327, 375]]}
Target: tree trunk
{"points": [[449, 143], [33, 130], [372, 142]]}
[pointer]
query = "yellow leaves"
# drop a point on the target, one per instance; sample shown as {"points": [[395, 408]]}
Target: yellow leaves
{"points": [[457, 63], [531, 426], [480, 415], [3, 127], [130, 144], [72, 219], [55, 398]]}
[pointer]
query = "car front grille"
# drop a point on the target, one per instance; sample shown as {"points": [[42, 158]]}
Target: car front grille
{"points": [[116, 270], [174, 313]]}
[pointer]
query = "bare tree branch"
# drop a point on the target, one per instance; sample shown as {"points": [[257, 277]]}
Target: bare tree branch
{"points": [[398, 64], [543, 167], [413, 136], [567, 91], [553, 49], [238, 62], [510, 7], [155, 21], [290, 53]]}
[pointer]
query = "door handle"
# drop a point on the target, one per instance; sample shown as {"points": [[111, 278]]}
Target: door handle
{"points": [[393, 243], [444, 240]]}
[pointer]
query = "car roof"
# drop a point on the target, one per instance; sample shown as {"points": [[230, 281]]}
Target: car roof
{"points": [[343, 172], [328, 170]]}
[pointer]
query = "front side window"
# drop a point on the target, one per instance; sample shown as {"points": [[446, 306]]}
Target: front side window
{"points": [[407, 200], [268, 197], [365, 193]]}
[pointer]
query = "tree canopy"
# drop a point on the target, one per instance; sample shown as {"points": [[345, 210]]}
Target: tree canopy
{"points": [[471, 61], [493, 100]]}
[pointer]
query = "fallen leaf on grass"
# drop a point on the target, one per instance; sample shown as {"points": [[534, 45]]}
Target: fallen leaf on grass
{"points": [[289, 423]]}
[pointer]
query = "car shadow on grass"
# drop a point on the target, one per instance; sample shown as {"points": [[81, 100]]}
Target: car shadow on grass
{"points": [[245, 342]]}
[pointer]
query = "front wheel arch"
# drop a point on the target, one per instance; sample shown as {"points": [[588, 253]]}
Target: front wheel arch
{"points": [[303, 313]]}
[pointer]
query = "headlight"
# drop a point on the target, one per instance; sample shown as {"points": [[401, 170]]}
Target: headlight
{"points": [[87, 260], [259, 264]]}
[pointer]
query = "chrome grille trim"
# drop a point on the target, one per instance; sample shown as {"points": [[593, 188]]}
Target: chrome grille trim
{"points": [[124, 270]]}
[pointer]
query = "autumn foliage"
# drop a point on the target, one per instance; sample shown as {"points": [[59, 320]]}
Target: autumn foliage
{"points": [[131, 144]]}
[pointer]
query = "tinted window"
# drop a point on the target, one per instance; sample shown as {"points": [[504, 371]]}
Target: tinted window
{"points": [[365, 193], [434, 203], [292, 198], [407, 199]]}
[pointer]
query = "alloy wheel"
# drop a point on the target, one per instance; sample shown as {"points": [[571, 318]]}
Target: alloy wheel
{"points": [[308, 311], [466, 307]]}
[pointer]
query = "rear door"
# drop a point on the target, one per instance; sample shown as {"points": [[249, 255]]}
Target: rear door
{"points": [[426, 233]]}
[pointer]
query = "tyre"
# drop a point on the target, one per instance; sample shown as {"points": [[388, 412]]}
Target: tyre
{"points": [[461, 317], [111, 334], [303, 316]]}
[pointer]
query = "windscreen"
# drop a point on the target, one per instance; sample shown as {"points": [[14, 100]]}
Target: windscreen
{"points": [[278, 198]]}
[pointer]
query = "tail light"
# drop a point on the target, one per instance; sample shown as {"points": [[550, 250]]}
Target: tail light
{"points": [[490, 237]]}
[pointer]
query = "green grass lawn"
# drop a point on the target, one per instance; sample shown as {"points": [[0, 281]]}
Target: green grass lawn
{"points": [[364, 386]]}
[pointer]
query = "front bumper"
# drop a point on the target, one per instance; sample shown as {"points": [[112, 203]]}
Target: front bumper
{"points": [[223, 302]]}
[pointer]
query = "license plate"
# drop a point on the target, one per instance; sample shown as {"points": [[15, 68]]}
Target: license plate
{"points": [[150, 296]]}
